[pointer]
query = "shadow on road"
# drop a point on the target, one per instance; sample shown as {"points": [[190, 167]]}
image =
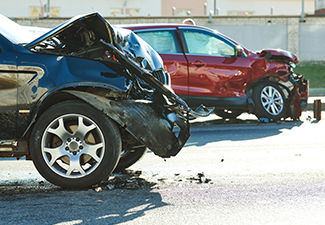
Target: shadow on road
{"points": [[48, 204], [236, 130]]}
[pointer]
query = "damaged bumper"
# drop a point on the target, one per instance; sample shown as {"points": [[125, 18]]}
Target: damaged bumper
{"points": [[150, 122], [299, 94], [142, 121], [302, 95]]}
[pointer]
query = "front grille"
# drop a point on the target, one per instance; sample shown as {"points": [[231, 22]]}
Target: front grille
{"points": [[160, 75]]}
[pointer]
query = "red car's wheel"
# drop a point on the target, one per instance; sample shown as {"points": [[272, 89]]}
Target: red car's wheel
{"points": [[228, 114], [270, 101]]}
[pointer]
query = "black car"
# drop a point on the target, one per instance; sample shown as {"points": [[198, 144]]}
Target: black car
{"points": [[73, 99]]}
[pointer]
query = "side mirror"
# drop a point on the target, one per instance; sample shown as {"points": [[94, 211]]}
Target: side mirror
{"points": [[239, 51]]}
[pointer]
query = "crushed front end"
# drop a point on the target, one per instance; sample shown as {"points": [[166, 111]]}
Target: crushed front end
{"points": [[149, 110], [282, 63], [299, 88], [140, 101]]}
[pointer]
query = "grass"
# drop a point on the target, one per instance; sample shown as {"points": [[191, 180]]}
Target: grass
{"points": [[315, 73]]}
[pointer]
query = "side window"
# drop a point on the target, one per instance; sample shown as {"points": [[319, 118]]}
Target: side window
{"points": [[160, 41], [199, 42]]}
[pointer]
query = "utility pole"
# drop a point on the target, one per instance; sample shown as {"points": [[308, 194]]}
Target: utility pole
{"points": [[124, 6], [302, 11], [215, 7], [48, 8]]}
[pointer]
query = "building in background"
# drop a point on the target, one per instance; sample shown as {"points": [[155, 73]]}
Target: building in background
{"points": [[320, 7], [184, 8], [107, 8], [260, 7]]}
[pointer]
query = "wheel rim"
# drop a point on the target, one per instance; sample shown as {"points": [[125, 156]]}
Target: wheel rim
{"points": [[73, 146], [272, 100]]}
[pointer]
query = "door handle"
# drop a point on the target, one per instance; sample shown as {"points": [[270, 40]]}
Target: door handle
{"points": [[198, 63]]}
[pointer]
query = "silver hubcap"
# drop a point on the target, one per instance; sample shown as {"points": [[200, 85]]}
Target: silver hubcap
{"points": [[272, 100], [73, 146]]}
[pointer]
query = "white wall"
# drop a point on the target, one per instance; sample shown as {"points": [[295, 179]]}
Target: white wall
{"points": [[256, 37], [311, 42], [263, 7], [69, 8]]}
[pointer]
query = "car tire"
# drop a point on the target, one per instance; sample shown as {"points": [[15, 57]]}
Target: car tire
{"points": [[228, 114], [73, 145], [129, 157], [270, 101]]}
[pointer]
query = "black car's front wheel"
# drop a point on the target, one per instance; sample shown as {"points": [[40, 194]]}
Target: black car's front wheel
{"points": [[74, 145], [129, 157], [270, 101]]}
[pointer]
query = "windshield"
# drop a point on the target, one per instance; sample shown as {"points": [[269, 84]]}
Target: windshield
{"points": [[14, 32]]}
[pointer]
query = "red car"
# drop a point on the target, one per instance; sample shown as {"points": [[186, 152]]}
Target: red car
{"points": [[206, 67]]}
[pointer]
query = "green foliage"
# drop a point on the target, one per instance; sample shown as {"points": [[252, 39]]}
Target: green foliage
{"points": [[315, 73]]}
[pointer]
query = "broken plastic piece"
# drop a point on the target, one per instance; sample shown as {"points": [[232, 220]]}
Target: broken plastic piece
{"points": [[264, 120]]}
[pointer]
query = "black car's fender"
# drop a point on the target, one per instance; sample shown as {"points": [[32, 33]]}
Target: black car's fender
{"points": [[140, 119], [58, 94]]}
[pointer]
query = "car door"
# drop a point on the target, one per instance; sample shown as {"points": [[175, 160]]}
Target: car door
{"points": [[8, 89], [215, 71], [166, 42]]}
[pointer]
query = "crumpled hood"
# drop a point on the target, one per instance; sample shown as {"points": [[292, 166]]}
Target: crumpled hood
{"points": [[93, 18], [93, 27], [278, 55]]}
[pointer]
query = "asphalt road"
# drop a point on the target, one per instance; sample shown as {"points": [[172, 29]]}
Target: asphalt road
{"points": [[254, 173]]}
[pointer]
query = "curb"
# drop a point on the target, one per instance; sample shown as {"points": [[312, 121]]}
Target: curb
{"points": [[315, 92]]}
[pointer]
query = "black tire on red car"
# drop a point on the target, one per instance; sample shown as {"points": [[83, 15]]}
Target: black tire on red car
{"points": [[270, 101], [74, 145], [228, 114], [129, 157]]}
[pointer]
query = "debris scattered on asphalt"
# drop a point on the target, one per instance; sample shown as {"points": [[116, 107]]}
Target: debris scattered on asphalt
{"points": [[200, 178], [98, 189], [127, 179], [110, 186], [264, 120], [121, 182], [162, 179]]}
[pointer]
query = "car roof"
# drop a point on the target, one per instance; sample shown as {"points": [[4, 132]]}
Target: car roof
{"points": [[154, 26], [158, 25]]}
